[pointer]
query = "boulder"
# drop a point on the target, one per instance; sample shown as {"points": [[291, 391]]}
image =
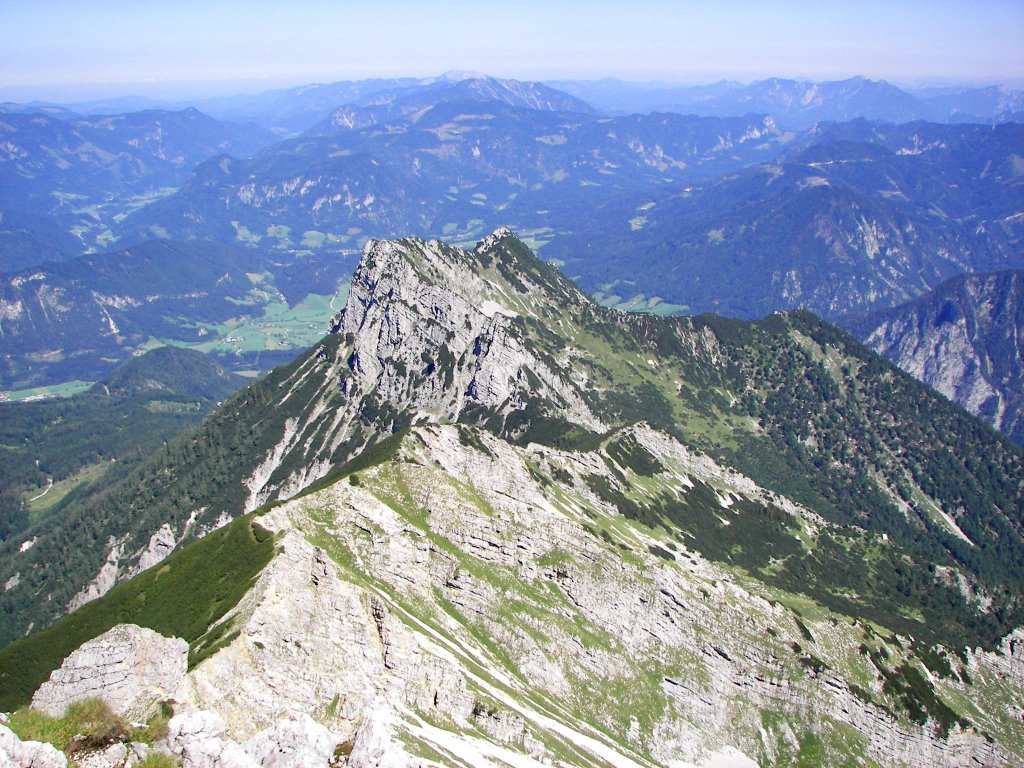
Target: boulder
{"points": [[292, 743], [15, 753], [129, 667], [197, 737]]}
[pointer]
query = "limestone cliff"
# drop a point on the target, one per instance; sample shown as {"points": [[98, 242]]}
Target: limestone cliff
{"points": [[453, 605], [514, 528], [966, 340]]}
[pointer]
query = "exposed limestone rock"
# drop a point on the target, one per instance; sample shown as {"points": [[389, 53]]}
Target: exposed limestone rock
{"points": [[322, 645], [375, 746], [114, 756], [129, 667], [104, 579], [292, 743], [367, 649], [198, 739], [505, 727], [37, 755], [453, 327], [496, 604], [15, 753], [161, 544], [349, 637], [10, 747]]}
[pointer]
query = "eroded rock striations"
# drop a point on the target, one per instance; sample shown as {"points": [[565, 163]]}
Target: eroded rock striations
{"points": [[514, 554], [132, 668], [966, 340]]}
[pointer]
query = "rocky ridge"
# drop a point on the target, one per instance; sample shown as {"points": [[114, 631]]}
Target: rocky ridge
{"points": [[131, 667], [452, 605], [963, 339], [493, 581]]}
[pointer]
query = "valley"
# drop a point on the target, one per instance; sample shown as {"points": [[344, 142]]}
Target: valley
{"points": [[465, 421]]}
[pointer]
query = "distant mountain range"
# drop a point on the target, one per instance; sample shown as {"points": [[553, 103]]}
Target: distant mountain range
{"points": [[291, 111], [452, 168], [84, 172], [794, 104], [965, 339], [661, 211], [730, 215], [799, 104], [851, 217]]}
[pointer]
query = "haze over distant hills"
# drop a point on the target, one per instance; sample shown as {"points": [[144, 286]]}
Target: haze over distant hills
{"points": [[800, 103], [83, 172], [793, 103], [740, 215]]}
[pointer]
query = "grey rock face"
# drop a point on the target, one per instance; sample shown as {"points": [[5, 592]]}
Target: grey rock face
{"points": [[292, 743], [201, 740], [400, 319], [15, 753], [321, 645], [198, 739], [367, 649], [161, 544], [129, 667], [964, 339]]}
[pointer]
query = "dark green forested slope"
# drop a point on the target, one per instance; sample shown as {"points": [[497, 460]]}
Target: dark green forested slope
{"points": [[99, 435], [965, 338], [202, 468], [914, 492]]}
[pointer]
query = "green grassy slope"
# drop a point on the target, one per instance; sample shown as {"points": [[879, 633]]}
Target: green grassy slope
{"points": [[183, 597]]}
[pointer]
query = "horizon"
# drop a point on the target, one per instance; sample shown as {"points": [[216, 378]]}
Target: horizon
{"points": [[62, 51], [183, 94]]}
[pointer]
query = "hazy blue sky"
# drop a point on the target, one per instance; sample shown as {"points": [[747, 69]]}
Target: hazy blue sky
{"points": [[139, 46]]}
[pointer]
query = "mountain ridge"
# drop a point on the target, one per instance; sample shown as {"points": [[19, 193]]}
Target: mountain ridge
{"points": [[480, 463], [799, 104], [962, 339], [490, 356]]}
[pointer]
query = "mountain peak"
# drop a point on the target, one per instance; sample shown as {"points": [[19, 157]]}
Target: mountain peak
{"points": [[436, 328], [458, 75], [767, 512]]}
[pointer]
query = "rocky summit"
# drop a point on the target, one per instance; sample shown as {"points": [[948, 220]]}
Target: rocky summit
{"points": [[488, 523]]}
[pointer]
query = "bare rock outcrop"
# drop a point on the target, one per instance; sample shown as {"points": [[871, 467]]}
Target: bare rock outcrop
{"points": [[197, 738], [292, 743], [129, 667], [200, 739], [15, 753]]}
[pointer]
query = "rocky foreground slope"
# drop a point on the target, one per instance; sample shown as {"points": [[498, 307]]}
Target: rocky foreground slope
{"points": [[586, 539], [469, 602]]}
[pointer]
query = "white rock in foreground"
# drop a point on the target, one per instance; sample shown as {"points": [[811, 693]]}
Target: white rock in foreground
{"points": [[15, 753], [292, 743], [198, 739], [129, 667]]}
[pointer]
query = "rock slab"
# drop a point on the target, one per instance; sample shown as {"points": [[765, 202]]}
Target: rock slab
{"points": [[129, 667], [15, 753]]}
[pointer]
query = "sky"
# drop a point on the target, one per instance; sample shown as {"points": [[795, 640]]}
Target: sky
{"points": [[80, 49]]}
